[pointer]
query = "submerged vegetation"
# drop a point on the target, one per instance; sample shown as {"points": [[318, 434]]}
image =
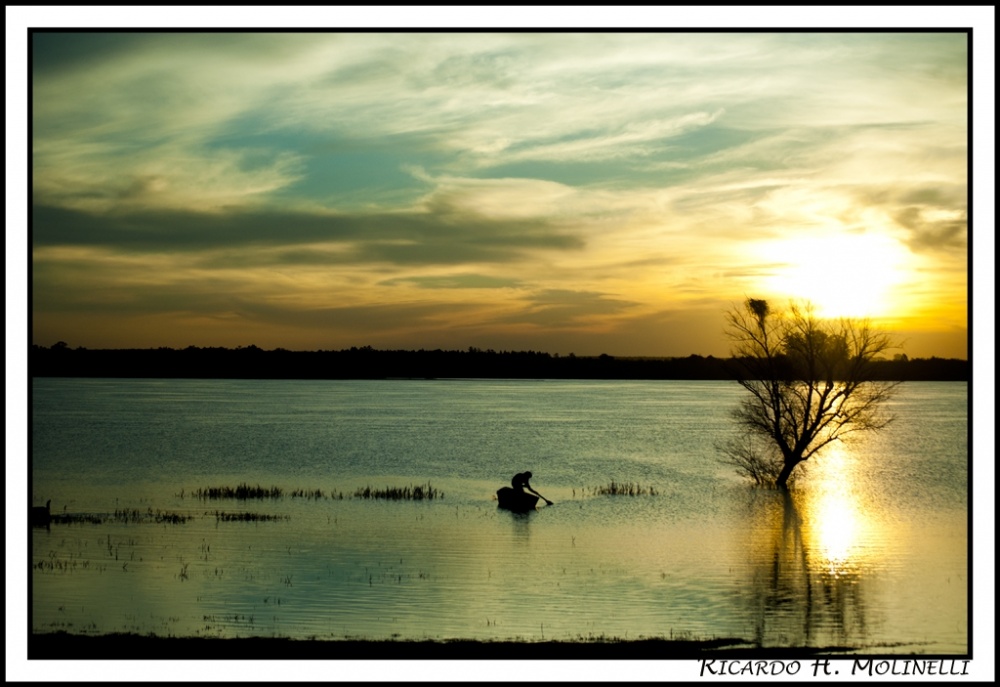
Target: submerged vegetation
{"points": [[78, 519], [315, 494], [418, 492], [149, 515], [614, 488], [240, 492], [244, 491], [122, 516], [247, 517]]}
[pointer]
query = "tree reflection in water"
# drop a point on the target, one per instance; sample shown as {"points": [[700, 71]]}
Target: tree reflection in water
{"points": [[808, 569]]}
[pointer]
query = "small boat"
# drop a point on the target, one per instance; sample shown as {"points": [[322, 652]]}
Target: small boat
{"points": [[517, 501]]}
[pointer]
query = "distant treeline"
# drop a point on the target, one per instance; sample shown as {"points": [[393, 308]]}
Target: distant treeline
{"points": [[252, 362]]}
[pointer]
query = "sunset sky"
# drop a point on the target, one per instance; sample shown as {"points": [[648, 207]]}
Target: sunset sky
{"points": [[593, 192]]}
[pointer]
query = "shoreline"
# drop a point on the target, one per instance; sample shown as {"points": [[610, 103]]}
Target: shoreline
{"points": [[66, 646]]}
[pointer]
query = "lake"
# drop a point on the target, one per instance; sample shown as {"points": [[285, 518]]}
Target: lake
{"points": [[868, 552]]}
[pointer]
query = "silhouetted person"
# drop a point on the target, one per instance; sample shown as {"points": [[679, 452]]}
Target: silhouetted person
{"points": [[520, 482]]}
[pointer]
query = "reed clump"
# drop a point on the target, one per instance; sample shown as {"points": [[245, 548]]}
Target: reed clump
{"points": [[623, 489], [221, 516], [308, 494], [134, 515], [241, 492], [77, 518], [419, 492], [127, 516], [245, 492]]}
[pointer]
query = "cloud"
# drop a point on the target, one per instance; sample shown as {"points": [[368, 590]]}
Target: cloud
{"points": [[934, 218], [488, 99], [415, 237], [456, 281], [165, 106], [537, 177], [351, 320], [561, 308], [504, 199]]}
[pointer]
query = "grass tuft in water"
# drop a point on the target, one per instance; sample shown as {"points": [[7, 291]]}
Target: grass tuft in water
{"points": [[127, 516], [245, 492], [623, 489], [417, 492], [240, 492], [221, 516], [77, 518]]}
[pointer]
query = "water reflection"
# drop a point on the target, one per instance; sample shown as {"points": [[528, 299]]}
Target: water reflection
{"points": [[811, 562], [520, 523]]}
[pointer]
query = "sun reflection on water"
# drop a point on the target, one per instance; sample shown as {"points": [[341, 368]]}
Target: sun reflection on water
{"points": [[836, 532], [816, 558], [835, 525]]}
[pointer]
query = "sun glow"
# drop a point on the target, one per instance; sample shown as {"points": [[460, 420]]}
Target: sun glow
{"points": [[852, 275], [838, 530]]}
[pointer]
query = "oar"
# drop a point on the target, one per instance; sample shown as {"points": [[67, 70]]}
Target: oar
{"points": [[547, 502]]}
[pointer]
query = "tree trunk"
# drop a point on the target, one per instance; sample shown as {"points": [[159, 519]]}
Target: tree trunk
{"points": [[786, 471]]}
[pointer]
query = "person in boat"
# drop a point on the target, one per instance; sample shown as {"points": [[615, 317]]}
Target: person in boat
{"points": [[520, 483]]}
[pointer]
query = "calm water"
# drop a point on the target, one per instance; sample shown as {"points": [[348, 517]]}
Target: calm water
{"points": [[869, 552]]}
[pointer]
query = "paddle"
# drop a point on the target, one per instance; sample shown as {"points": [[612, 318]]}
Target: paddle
{"points": [[547, 502]]}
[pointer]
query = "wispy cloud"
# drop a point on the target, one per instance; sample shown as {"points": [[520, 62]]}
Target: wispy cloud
{"points": [[569, 179]]}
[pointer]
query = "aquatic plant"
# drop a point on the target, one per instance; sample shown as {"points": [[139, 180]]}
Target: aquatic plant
{"points": [[57, 565], [417, 492], [77, 518], [245, 492], [247, 517], [623, 489], [240, 492], [124, 516], [134, 515]]}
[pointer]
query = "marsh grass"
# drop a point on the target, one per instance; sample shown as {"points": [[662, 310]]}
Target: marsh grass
{"points": [[134, 515], [241, 492], [622, 489], [78, 518], [419, 492], [244, 492], [221, 516], [312, 494], [127, 516]]}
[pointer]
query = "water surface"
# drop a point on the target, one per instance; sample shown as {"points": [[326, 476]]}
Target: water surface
{"points": [[868, 552]]}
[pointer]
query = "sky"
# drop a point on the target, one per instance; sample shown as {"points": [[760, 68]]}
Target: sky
{"points": [[570, 192]]}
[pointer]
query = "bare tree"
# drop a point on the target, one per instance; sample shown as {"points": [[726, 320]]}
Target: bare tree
{"points": [[810, 383]]}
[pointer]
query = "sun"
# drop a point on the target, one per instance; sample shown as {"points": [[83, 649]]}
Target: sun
{"points": [[847, 275]]}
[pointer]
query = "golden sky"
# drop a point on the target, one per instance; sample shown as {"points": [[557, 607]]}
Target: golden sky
{"points": [[587, 192]]}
